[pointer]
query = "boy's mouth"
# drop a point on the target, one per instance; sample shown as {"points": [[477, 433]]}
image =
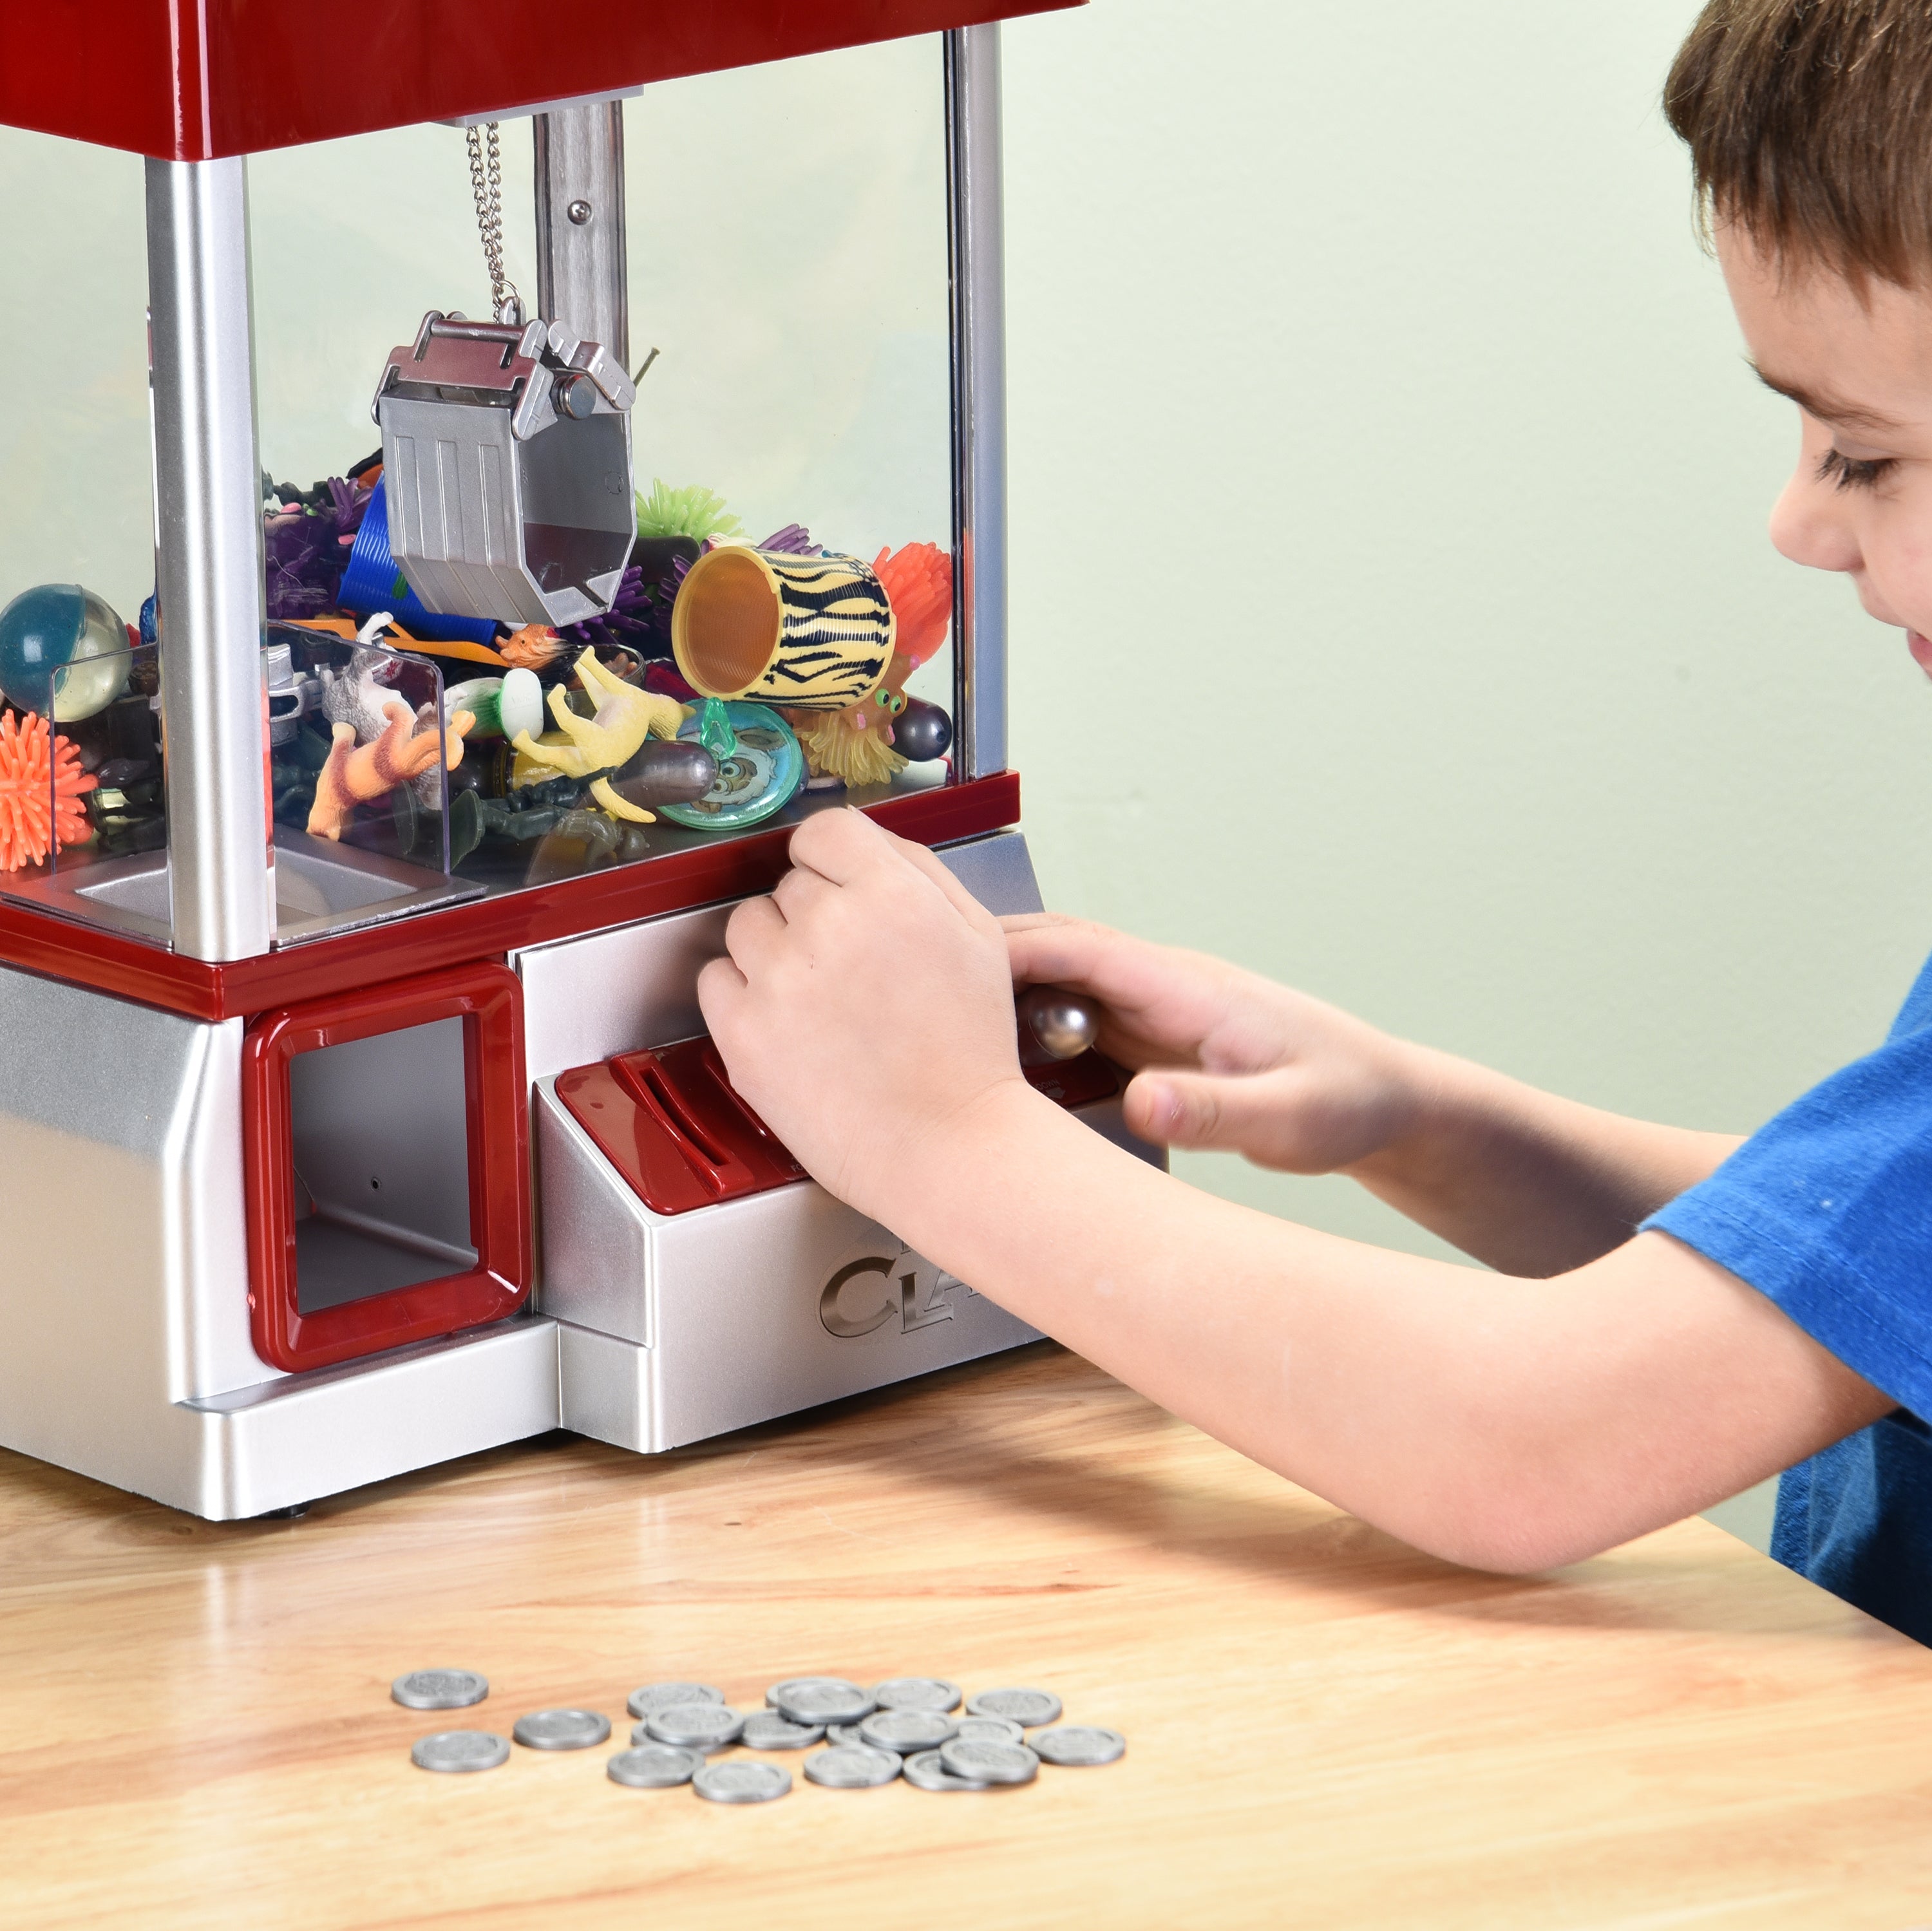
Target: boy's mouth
{"points": [[1920, 649]]}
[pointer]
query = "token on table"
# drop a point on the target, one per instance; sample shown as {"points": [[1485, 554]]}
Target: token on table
{"points": [[843, 1733], [743, 1780], [820, 1699], [561, 1729], [852, 1766], [654, 1766], [766, 1730], [904, 1730], [459, 1750], [990, 1729], [990, 1763], [917, 1692], [1074, 1744], [440, 1689], [652, 1697], [924, 1771], [1024, 1706], [697, 1726]]}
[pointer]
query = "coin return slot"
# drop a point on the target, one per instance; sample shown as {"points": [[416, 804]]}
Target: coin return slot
{"points": [[381, 1143]]}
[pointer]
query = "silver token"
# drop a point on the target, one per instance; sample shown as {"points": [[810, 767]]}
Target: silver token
{"points": [[743, 1780], [1024, 1706], [820, 1699], [902, 1731], [766, 1730], [844, 1733], [655, 1696], [917, 1692], [991, 1730], [440, 1689], [924, 1771], [990, 1763], [1078, 1743], [654, 1767], [561, 1729], [460, 1750], [697, 1726], [852, 1766]]}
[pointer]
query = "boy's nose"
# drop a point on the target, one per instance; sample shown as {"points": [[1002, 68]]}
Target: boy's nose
{"points": [[1812, 524]]}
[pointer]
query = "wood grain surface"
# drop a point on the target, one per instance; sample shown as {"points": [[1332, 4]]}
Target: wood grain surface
{"points": [[1325, 1728]]}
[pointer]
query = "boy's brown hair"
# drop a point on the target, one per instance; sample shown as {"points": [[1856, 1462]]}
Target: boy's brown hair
{"points": [[1809, 124]]}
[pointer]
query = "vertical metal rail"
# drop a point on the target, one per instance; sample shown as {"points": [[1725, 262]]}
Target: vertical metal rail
{"points": [[581, 278], [979, 400], [207, 558]]}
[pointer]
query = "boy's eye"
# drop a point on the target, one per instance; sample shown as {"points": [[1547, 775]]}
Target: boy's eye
{"points": [[1850, 473]]}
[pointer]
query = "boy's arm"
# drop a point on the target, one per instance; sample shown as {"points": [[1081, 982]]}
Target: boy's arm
{"points": [[866, 1010], [1509, 1424], [1524, 1181]]}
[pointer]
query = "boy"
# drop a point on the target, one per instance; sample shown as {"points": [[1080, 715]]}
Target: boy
{"points": [[1674, 1316]]}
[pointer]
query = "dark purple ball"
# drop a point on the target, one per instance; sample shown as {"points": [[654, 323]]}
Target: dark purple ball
{"points": [[922, 731]]}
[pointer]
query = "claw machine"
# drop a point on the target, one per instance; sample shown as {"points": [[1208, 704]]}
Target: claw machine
{"points": [[575, 456]]}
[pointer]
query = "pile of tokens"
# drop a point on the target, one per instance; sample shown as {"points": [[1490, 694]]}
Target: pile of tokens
{"points": [[903, 1729]]}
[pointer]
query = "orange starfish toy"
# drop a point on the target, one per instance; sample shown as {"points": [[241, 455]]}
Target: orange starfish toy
{"points": [[41, 809]]}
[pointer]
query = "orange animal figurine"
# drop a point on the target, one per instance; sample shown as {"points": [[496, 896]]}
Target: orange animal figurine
{"points": [[856, 744]]}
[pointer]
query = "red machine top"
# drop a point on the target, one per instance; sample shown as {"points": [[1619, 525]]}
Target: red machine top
{"points": [[189, 80]]}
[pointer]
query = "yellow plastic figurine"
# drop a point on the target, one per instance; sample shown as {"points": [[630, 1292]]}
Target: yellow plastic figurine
{"points": [[587, 747]]}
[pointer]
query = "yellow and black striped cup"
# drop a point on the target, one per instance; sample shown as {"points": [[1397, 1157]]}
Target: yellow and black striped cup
{"points": [[805, 633]]}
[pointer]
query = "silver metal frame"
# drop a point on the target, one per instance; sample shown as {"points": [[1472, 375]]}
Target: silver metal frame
{"points": [[207, 558], [582, 274], [979, 400]]}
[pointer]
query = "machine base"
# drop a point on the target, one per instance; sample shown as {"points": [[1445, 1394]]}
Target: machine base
{"points": [[125, 1276]]}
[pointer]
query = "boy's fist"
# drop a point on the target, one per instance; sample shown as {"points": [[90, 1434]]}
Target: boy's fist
{"points": [[864, 1006]]}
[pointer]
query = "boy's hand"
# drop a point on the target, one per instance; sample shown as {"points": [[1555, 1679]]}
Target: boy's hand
{"points": [[865, 1005], [1225, 1058]]}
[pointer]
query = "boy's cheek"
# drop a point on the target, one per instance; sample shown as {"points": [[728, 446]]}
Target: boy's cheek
{"points": [[1897, 585]]}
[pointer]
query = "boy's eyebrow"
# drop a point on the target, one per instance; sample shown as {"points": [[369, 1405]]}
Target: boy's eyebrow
{"points": [[1827, 406]]}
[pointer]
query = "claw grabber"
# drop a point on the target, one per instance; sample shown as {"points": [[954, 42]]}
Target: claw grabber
{"points": [[506, 456]]}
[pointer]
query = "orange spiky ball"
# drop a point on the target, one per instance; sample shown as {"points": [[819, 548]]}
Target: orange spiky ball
{"points": [[26, 795]]}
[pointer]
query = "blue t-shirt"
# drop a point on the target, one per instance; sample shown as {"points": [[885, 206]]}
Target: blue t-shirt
{"points": [[1828, 1211]]}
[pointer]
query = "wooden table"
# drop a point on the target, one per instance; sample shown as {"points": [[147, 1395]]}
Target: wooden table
{"points": [[1325, 1729]]}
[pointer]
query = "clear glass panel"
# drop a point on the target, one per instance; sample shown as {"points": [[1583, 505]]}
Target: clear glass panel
{"points": [[787, 240], [80, 769], [73, 442]]}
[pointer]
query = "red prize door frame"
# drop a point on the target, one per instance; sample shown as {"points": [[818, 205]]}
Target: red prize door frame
{"points": [[489, 999]]}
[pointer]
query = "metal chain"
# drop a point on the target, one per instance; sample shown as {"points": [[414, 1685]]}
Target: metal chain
{"points": [[486, 182]]}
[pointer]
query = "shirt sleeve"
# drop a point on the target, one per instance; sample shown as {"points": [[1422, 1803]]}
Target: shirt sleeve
{"points": [[1828, 1213]]}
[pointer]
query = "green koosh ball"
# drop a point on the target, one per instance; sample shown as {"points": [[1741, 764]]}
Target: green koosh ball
{"points": [[61, 644]]}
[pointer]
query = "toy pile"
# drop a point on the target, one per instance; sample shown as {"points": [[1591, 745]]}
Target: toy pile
{"points": [[445, 739]]}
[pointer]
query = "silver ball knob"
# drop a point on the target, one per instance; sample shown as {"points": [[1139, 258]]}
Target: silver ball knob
{"points": [[1063, 1024]]}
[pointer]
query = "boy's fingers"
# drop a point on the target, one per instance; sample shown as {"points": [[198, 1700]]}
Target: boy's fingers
{"points": [[752, 931], [1181, 1109], [799, 890], [922, 858], [720, 986], [839, 845], [843, 846], [1044, 949]]}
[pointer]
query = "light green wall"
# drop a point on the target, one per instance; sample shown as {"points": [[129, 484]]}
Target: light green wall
{"points": [[1393, 609]]}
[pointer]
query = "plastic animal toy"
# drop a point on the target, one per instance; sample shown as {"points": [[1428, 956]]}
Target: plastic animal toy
{"points": [[856, 745], [596, 746], [41, 786], [358, 774], [376, 745], [531, 647]]}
